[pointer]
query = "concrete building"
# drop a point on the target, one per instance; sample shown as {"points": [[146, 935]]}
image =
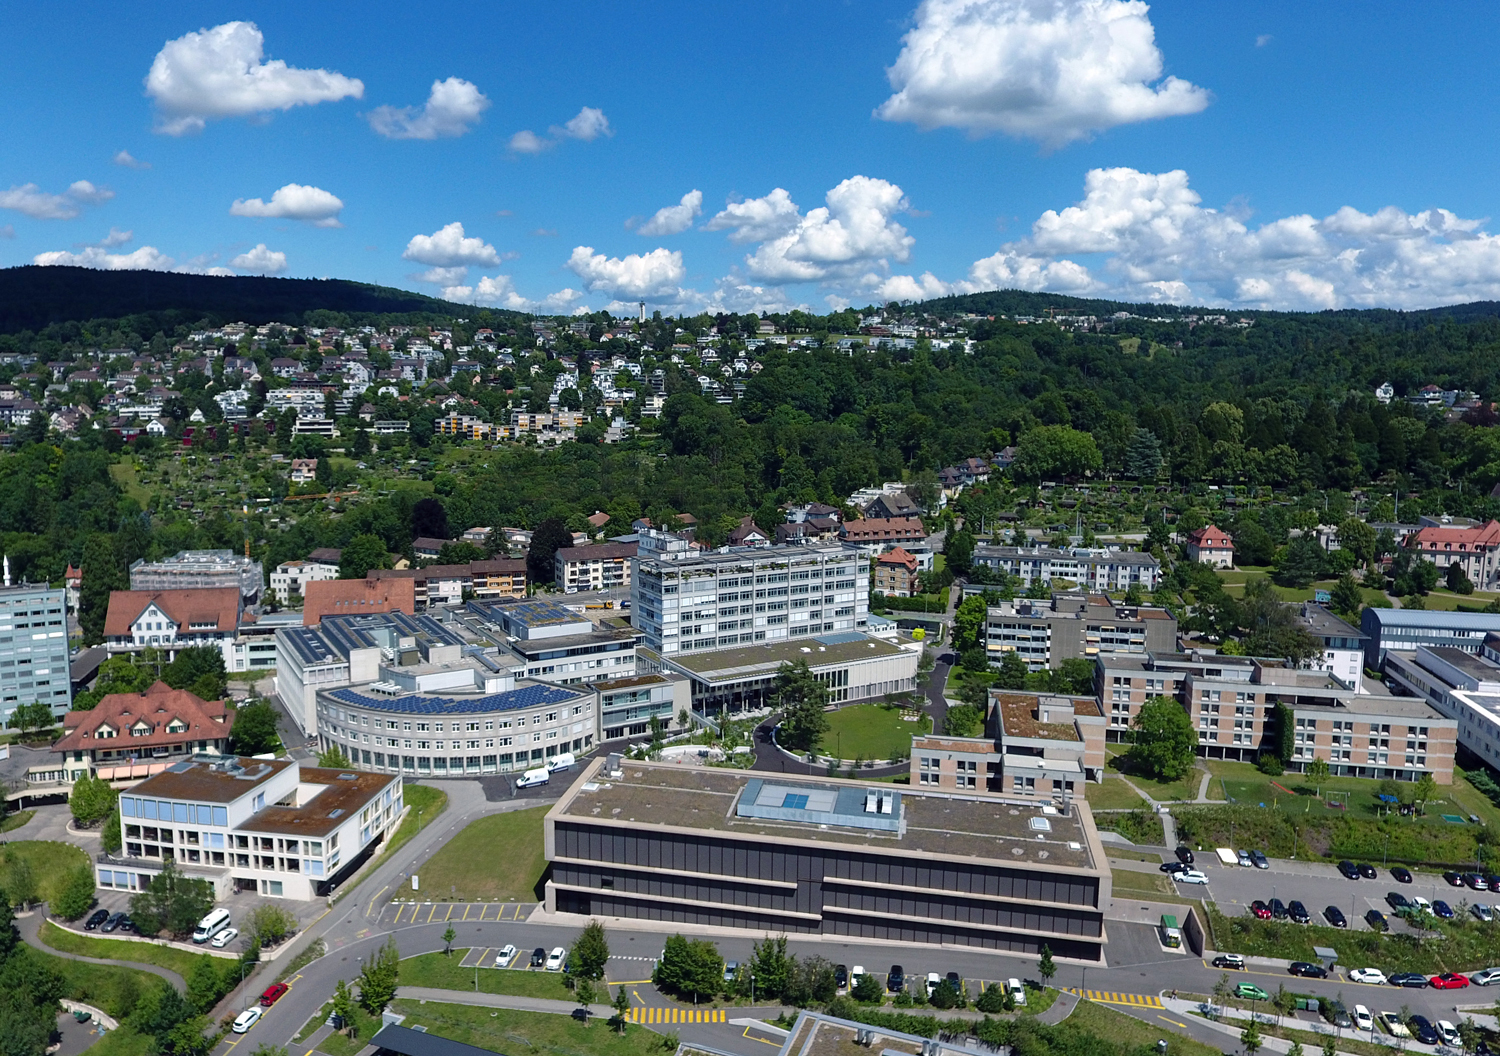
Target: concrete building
{"points": [[1343, 653], [1089, 568], [271, 827], [1407, 630], [793, 854], [1463, 686], [292, 577], [854, 666], [1211, 545], [33, 649], [685, 601], [896, 574], [876, 535], [601, 567], [541, 639], [1074, 626], [201, 570], [1037, 744], [357, 597], [627, 705]]}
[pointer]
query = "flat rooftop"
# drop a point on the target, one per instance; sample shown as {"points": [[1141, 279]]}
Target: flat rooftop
{"points": [[344, 792], [1468, 663], [726, 665], [1019, 711], [527, 696], [930, 823], [222, 781]]}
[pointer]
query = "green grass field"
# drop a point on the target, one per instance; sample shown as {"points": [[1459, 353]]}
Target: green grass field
{"points": [[1112, 794], [519, 1033], [179, 961], [1132, 1033], [870, 731], [445, 972], [1185, 787], [426, 803], [114, 988], [50, 862], [495, 858]]}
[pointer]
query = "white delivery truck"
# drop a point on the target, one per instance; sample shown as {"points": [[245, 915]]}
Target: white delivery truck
{"points": [[560, 762], [211, 925], [539, 776]]}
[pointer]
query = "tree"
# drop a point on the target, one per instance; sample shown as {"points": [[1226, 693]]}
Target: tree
{"points": [[32, 716], [771, 966], [429, 519], [968, 622], [1250, 1039], [622, 1007], [1050, 451], [110, 838], [1272, 628], [199, 669], [1165, 741], [333, 758], [361, 554], [690, 967], [343, 1008], [91, 801], [1013, 671], [963, 720], [1284, 742], [1457, 581], [18, 880], [172, 903], [267, 1049], [254, 729], [801, 698], [590, 952], [448, 936], [1142, 455], [74, 895], [103, 572], [378, 978], [204, 984], [583, 993], [1317, 772], [547, 538], [1358, 538], [869, 991], [1425, 789], [1044, 967], [1346, 598], [1295, 1050], [271, 924], [1301, 562]]}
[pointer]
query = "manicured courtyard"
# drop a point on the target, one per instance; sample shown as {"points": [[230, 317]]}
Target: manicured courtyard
{"points": [[872, 731]]}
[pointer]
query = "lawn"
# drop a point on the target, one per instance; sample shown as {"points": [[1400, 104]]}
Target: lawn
{"points": [[128, 477], [335, 1044], [1112, 794], [1132, 1033], [492, 859], [16, 820], [425, 803], [522, 1033], [179, 961], [1153, 887], [1138, 826], [1184, 788], [50, 862], [871, 731], [1442, 599], [447, 973], [114, 988]]}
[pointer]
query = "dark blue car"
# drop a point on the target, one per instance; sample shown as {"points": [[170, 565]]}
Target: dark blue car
{"points": [[1442, 910]]}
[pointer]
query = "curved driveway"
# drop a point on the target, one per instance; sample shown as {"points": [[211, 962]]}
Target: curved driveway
{"points": [[30, 927]]}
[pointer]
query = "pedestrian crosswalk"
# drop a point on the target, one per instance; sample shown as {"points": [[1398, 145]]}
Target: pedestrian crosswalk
{"points": [[677, 1015], [1110, 997], [438, 912]]}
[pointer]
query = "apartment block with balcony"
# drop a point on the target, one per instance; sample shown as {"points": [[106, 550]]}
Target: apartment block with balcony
{"points": [[1075, 626]]}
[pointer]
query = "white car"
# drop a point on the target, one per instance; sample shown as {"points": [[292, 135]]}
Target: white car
{"points": [[932, 983], [247, 1019], [1016, 990], [224, 938], [1368, 975], [1391, 1021], [555, 959], [1449, 1033], [505, 956], [1421, 903], [1362, 1018], [1192, 876], [1487, 977], [855, 975]]}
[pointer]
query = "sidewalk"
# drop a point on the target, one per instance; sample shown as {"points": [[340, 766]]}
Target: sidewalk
{"points": [[1231, 1021], [522, 1004]]}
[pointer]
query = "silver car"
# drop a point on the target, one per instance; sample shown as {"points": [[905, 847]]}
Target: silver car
{"points": [[1245, 859], [1485, 977]]}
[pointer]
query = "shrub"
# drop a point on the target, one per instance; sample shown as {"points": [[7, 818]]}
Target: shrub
{"points": [[1270, 764]]}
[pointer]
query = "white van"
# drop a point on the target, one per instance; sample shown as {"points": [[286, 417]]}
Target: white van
{"points": [[211, 925], [538, 776], [560, 762]]}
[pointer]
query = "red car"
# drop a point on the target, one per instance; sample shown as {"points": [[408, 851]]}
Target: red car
{"points": [[1449, 981], [275, 990], [1260, 909]]}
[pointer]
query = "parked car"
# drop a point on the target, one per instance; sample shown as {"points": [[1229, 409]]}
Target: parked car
{"points": [[538, 957], [273, 994], [933, 979], [1450, 981], [1393, 1025], [1335, 916], [1260, 909], [1173, 867], [247, 1019], [1368, 975], [1184, 855], [1362, 1018], [895, 979], [505, 956], [1260, 860], [1191, 876], [855, 975], [99, 916], [1349, 870], [1476, 882], [1479, 909], [1420, 904], [113, 922], [555, 959], [956, 981], [1298, 912], [1401, 873], [224, 938], [1335, 1012], [1376, 920], [1308, 970], [840, 975], [1454, 879], [1278, 909], [1017, 992], [1251, 992], [1424, 1031], [1485, 977], [1229, 960], [1449, 1033], [1442, 910], [1367, 870], [1410, 980], [1396, 900], [126, 924], [1245, 860]]}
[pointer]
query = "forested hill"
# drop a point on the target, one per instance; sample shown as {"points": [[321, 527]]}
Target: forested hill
{"points": [[33, 297]]}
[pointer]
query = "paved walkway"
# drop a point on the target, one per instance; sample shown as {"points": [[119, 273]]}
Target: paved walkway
{"points": [[30, 927], [524, 1004]]}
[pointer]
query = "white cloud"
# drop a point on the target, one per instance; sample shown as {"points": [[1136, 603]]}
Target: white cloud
{"points": [[32, 201], [653, 276], [452, 107], [757, 219], [444, 276], [500, 292], [674, 219], [220, 72], [8, 231], [116, 237], [852, 234], [123, 158], [260, 259], [448, 248], [1050, 70], [588, 125], [293, 202], [1264, 39], [147, 258]]}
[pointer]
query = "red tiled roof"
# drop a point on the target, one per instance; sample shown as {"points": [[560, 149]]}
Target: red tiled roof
{"points": [[357, 597], [879, 529], [1210, 537], [217, 605], [157, 706], [898, 556], [1479, 538]]}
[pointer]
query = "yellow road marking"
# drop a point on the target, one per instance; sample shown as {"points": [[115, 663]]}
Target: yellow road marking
{"points": [[430, 913], [763, 1041], [466, 911], [1174, 1022]]}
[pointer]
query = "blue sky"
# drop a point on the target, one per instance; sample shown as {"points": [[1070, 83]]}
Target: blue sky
{"points": [[1241, 154]]}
